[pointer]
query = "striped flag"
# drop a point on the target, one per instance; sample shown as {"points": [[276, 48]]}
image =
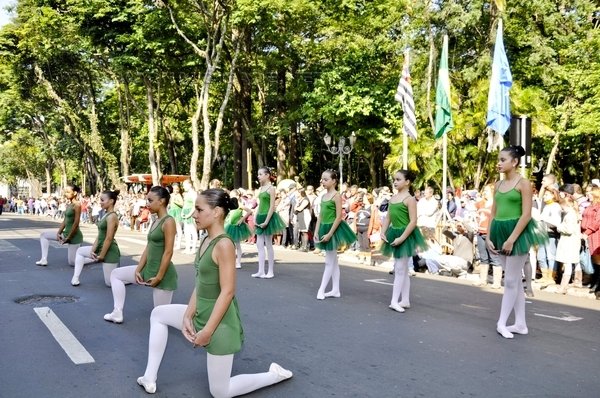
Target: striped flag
{"points": [[404, 95]]}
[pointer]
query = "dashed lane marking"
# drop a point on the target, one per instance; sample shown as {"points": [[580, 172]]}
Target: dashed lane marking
{"points": [[566, 318], [7, 246], [69, 343], [379, 281]]}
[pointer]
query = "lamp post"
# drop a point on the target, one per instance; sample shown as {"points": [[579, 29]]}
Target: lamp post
{"points": [[341, 149]]}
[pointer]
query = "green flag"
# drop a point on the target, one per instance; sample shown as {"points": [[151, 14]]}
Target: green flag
{"points": [[443, 111]]}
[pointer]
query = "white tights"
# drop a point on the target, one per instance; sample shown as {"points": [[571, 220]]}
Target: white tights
{"points": [[84, 256], [401, 282], [178, 236], [513, 297], [120, 276], [191, 237], [220, 382], [49, 235], [238, 255], [265, 243], [332, 271]]}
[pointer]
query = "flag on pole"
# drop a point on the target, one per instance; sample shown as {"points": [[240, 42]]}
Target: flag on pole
{"points": [[404, 95], [498, 113], [443, 110]]}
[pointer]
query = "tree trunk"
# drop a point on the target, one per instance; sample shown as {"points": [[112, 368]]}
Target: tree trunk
{"points": [[63, 173], [282, 141], [151, 132], [124, 130], [552, 155], [48, 170], [195, 143]]}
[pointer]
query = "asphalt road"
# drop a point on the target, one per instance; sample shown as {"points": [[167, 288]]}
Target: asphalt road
{"points": [[354, 346]]}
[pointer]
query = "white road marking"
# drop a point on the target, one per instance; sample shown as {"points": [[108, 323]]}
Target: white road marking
{"points": [[568, 318], [7, 247], [379, 281], [74, 349]]}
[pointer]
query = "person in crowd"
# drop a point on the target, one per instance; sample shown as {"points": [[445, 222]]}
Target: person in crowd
{"points": [[215, 183], [2, 203], [175, 208], [155, 268], [569, 243], [331, 233], [427, 211], [590, 227], [189, 227], [550, 216], [486, 257], [460, 252], [268, 223], [211, 319], [451, 204], [105, 249], [401, 237], [303, 218], [68, 232], [511, 234], [284, 212], [362, 222], [237, 228], [311, 195], [291, 237]]}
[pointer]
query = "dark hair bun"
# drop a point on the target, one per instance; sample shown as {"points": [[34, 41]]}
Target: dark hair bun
{"points": [[233, 203], [519, 150], [117, 192]]}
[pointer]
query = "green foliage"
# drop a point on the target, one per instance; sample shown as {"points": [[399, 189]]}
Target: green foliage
{"points": [[311, 67]]}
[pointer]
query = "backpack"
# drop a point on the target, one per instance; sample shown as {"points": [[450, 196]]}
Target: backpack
{"points": [[363, 216]]}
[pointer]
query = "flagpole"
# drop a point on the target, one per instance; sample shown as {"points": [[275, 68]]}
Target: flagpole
{"points": [[404, 149], [445, 175]]}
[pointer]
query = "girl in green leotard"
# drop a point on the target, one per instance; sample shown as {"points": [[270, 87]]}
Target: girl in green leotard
{"points": [[401, 237], [68, 233], [189, 228], [268, 223], [512, 233], [155, 268], [105, 249], [174, 210], [331, 233], [211, 318]]}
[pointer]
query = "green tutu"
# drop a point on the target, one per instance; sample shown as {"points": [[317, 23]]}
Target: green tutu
{"points": [[175, 212], [275, 225], [238, 233], [343, 235], [408, 248], [532, 235], [229, 335]]}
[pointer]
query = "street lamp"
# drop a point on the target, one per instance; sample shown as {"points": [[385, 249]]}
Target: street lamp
{"points": [[341, 149]]}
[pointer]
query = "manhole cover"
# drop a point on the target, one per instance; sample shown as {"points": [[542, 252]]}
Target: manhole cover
{"points": [[45, 299]]}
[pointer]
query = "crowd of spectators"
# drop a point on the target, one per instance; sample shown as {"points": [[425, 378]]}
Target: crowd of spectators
{"points": [[451, 232]]}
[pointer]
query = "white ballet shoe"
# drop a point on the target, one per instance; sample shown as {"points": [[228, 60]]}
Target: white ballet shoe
{"points": [[43, 262], [405, 306], [257, 275], [149, 387], [116, 316], [504, 332], [75, 281], [282, 374], [517, 329], [268, 276], [396, 307], [333, 294], [238, 266], [320, 296]]}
